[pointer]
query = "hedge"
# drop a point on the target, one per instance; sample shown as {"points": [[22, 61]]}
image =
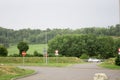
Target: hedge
{"points": [[40, 59]]}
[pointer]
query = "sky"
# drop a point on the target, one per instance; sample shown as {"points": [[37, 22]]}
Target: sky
{"points": [[73, 14]]}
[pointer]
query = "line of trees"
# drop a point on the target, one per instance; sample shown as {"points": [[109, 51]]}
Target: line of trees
{"points": [[75, 45], [38, 36]]}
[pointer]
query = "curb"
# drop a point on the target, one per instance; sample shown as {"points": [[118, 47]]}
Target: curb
{"points": [[24, 76]]}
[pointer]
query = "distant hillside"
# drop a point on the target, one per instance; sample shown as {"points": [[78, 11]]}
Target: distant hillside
{"points": [[39, 36]]}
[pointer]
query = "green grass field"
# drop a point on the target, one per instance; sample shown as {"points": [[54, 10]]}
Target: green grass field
{"points": [[32, 47], [109, 66], [9, 72]]}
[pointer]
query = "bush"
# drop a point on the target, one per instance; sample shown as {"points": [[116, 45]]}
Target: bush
{"points": [[3, 51], [15, 55], [40, 60], [110, 61], [117, 60], [84, 56], [37, 54]]}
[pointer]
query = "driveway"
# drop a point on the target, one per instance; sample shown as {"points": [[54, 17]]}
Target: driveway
{"points": [[75, 72]]}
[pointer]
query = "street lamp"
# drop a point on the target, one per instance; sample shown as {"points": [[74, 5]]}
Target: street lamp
{"points": [[119, 10]]}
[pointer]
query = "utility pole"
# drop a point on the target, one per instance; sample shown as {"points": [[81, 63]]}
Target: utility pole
{"points": [[46, 55], [119, 11]]}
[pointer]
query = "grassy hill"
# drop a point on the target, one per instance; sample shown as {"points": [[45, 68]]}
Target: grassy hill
{"points": [[32, 47], [8, 72]]}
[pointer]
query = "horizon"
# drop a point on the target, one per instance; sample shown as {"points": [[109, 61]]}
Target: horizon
{"points": [[56, 28]]}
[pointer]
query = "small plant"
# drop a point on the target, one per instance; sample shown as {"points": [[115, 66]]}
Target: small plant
{"points": [[15, 55], [3, 51], [117, 60], [84, 56], [37, 54]]}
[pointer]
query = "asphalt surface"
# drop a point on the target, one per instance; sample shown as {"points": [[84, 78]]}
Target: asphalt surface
{"points": [[75, 72]]}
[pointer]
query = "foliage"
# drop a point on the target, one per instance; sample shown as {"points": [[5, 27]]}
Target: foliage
{"points": [[37, 54], [105, 47], [84, 56], [39, 60], [3, 51], [22, 46], [117, 60], [76, 45], [117, 45], [110, 63], [8, 36]]}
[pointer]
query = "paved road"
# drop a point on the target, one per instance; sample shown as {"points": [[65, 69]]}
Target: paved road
{"points": [[75, 72]]}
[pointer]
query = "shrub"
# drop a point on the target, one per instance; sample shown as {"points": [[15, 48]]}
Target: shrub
{"points": [[84, 56], [3, 51], [117, 60], [110, 61], [40, 60], [37, 54], [15, 55]]}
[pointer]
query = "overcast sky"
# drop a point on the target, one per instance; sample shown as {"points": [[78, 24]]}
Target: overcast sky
{"points": [[73, 14]]}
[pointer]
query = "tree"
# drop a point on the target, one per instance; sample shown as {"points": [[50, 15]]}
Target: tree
{"points": [[117, 60], [84, 56], [117, 45], [105, 47], [3, 51], [22, 46]]}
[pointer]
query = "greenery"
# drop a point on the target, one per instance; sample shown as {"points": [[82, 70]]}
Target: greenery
{"points": [[9, 72], [22, 46], [76, 45], [117, 60], [41, 64], [12, 50], [93, 41], [84, 56], [40, 60], [110, 64], [8, 36], [3, 51]]}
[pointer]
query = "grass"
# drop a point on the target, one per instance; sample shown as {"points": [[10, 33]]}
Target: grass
{"points": [[9, 72], [32, 47], [40, 64], [109, 66], [40, 60]]}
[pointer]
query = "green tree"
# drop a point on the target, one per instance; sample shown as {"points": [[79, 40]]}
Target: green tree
{"points": [[117, 45], [84, 56], [3, 51], [22, 46], [105, 47], [117, 60]]}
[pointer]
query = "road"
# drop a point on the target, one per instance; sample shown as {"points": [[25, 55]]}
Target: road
{"points": [[75, 72]]}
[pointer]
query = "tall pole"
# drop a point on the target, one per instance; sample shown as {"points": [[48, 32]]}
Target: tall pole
{"points": [[46, 47], [119, 11]]}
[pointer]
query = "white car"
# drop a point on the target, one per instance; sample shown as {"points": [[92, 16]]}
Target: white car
{"points": [[94, 60]]}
